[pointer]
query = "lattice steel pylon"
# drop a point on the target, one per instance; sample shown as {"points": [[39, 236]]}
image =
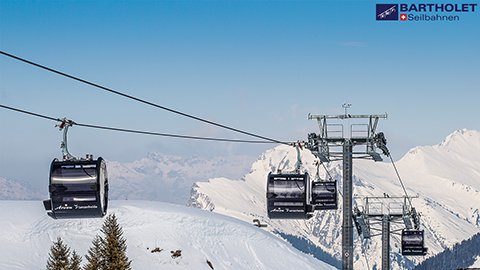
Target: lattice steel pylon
{"points": [[324, 146], [387, 215]]}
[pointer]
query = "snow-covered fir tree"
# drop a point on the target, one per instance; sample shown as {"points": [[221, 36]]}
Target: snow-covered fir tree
{"points": [[59, 256], [75, 261], [94, 258], [113, 246]]}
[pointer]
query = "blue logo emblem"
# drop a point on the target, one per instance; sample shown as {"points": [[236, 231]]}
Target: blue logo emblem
{"points": [[387, 12]]}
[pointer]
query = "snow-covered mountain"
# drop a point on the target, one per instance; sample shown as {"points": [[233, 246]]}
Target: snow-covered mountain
{"points": [[168, 178], [445, 177], [156, 177], [14, 190], [26, 234]]}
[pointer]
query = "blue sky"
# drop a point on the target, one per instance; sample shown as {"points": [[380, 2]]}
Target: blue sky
{"points": [[261, 66]]}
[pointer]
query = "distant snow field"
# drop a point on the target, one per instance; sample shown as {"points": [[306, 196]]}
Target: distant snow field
{"points": [[26, 234]]}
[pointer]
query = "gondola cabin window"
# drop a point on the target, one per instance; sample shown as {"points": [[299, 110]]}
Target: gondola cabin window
{"points": [[288, 189], [74, 174]]}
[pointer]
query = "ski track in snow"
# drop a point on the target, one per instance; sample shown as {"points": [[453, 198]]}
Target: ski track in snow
{"points": [[27, 233]]}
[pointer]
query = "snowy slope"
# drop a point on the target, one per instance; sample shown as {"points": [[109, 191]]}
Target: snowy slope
{"points": [[26, 234], [168, 178], [446, 177]]}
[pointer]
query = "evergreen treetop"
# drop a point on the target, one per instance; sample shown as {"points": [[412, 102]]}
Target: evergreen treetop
{"points": [[59, 256], [94, 258], [75, 261], [113, 246]]}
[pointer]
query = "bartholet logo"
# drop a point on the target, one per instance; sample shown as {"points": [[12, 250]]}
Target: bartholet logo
{"points": [[387, 12], [438, 7], [424, 11]]}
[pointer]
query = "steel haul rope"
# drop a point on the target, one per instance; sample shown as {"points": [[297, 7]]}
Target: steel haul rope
{"points": [[132, 130], [139, 99]]}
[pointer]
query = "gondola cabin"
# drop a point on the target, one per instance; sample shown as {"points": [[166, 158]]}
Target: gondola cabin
{"points": [[78, 189], [324, 195], [413, 243], [287, 196]]}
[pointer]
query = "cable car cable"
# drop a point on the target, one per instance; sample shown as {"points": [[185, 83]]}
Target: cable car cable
{"points": [[135, 131], [139, 99], [401, 182], [168, 135], [326, 170], [31, 113], [414, 213]]}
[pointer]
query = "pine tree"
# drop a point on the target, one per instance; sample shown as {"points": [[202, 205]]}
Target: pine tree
{"points": [[58, 257], [113, 246], [94, 258], [75, 261]]}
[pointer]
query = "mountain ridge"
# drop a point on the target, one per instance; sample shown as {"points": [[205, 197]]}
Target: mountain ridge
{"points": [[444, 177], [155, 177], [15, 190]]}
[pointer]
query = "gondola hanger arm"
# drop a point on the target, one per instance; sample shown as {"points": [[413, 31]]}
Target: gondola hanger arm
{"points": [[298, 146], [64, 124]]}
